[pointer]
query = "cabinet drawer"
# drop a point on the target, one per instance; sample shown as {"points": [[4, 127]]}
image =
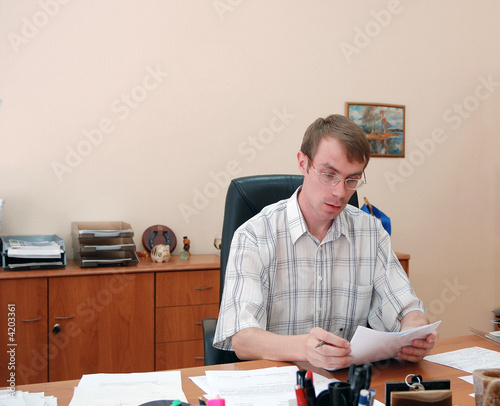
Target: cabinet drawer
{"points": [[183, 354], [182, 323], [187, 288]]}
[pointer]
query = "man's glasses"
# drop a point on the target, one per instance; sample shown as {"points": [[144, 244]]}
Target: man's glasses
{"points": [[330, 179]]}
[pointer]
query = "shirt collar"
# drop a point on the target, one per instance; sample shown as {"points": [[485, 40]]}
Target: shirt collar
{"points": [[298, 227]]}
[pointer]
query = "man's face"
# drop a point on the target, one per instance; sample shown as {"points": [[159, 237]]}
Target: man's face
{"points": [[321, 202]]}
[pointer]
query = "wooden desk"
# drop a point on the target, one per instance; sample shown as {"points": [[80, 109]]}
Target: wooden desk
{"points": [[393, 370]]}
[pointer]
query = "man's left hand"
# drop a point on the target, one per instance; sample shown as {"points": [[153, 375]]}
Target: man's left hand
{"points": [[419, 348]]}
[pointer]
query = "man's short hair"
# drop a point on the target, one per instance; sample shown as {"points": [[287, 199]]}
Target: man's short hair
{"points": [[346, 131]]}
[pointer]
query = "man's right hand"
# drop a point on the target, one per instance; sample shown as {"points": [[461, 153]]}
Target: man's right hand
{"points": [[332, 354]]}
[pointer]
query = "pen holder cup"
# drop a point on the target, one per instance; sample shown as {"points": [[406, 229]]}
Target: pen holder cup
{"points": [[340, 394], [486, 386]]}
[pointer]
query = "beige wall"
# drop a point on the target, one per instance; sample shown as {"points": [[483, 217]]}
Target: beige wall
{"points": [[142, 111]]}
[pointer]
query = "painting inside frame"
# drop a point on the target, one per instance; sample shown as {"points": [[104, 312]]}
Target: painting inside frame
{"points": [[383, 125]]}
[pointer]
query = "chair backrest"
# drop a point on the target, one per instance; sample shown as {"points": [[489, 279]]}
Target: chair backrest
{"points": [[246, 197]]}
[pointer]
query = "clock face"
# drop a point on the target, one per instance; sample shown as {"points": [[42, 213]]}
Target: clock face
{"points": [[158, 234]]}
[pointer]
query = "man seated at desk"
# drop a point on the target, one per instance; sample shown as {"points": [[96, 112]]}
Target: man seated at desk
{"points": [[310, 265]]}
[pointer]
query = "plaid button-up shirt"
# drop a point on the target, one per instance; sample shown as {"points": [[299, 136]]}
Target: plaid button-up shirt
{"points": [[280, 278]]}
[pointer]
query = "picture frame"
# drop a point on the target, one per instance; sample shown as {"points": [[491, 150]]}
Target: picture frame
{"points": [[383, 125]]}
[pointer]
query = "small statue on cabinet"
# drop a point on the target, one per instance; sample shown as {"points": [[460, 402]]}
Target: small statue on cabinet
{"points": [[187, 243], [160, 253]]}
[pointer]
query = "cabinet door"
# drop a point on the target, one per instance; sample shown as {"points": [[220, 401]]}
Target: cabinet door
{"points": [[105, 323], [24, 330]]}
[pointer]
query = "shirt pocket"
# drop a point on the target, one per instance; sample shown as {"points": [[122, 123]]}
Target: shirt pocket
{"points": [[352, 306]]}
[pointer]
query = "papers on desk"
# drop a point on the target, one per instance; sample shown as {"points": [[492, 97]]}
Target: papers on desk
{"points": [[266, 386], [128, 389], [34, 249], [369, 345], [467, 359], [21, 398]]}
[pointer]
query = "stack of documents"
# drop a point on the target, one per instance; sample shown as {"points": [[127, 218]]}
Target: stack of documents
{"points": [[33, 249], [20, 398], [128, 389], [274, 386], [33, 252]]}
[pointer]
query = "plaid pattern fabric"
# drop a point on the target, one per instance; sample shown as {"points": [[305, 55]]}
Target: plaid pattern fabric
{"points": [[282, 279]]}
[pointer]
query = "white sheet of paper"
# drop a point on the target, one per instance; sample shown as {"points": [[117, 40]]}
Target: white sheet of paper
{"points": [[259, 387], [202, 383], [320, 384], [369, 345], [467, 378], [128, 389], [132, 378], [125, 395], [467, 359], [21, 398]]}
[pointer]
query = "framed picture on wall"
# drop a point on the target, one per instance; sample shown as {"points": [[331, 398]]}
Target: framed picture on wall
{"points": [[383, 125]]}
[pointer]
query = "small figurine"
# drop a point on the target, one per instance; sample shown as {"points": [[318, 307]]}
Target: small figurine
{"points": [[160, 253], [185, 253]]}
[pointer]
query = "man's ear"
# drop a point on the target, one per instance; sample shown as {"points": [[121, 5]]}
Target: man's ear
{"points": [[303, 162]]}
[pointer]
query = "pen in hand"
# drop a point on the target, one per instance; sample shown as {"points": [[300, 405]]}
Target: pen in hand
{"points": [[321, 343]]}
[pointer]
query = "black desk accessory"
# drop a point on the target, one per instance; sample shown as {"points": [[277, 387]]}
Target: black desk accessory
{"points": [[347, 393]]}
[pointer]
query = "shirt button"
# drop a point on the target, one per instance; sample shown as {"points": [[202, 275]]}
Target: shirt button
{"points": [[320, 278]]}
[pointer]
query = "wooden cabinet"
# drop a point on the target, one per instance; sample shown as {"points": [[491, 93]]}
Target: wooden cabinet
{"points": [[183, 299], [101, 323], [24, 330], [76, 321]]}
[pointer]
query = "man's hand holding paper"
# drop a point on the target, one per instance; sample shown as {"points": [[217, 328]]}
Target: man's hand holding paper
{"points": [[369, 345]]}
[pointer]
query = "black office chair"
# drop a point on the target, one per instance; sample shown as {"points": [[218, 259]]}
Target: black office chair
{"points": [[245, 198]]}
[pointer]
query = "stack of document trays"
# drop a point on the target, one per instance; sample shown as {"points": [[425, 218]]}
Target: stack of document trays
{"points": [[103, 243], [21, 252]]}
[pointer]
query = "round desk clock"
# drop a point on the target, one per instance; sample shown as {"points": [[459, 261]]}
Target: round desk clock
{"points": [[158, 234]]}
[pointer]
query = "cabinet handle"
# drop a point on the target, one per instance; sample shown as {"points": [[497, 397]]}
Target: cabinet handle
{"points": [[197, 322], [37, 319], [203, 287], [63, 317], [199, 357]]}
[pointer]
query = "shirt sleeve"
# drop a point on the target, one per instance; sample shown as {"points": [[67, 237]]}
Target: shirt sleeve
{"points": [[243, 301], [393, 295]]}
